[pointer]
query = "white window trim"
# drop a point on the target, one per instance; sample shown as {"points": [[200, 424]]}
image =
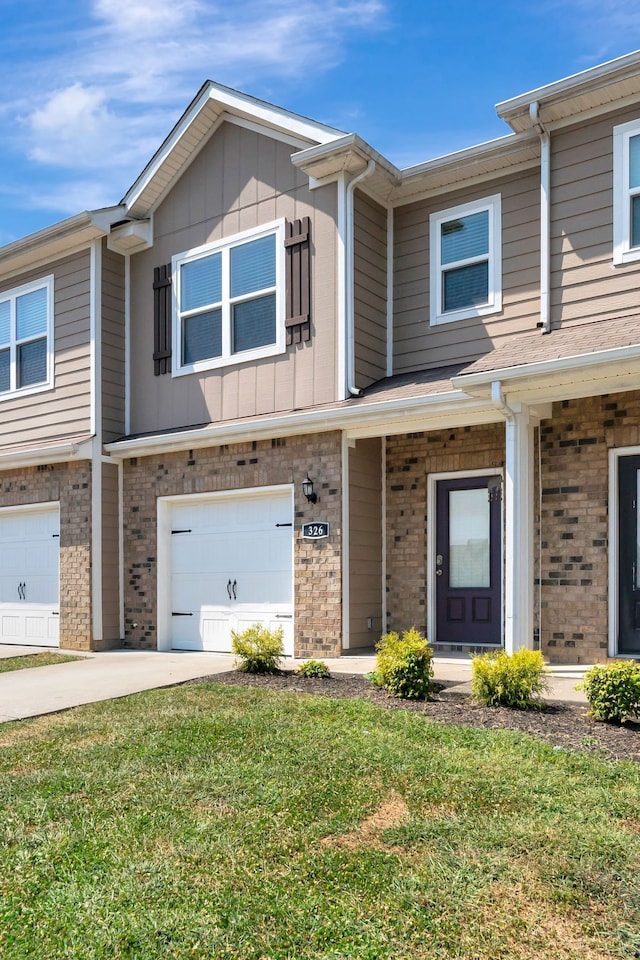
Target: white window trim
{"points": [[493, 205], [276, 227], [623, 252], [12, 294]]}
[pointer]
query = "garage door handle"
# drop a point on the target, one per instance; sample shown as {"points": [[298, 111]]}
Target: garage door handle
{"points": [[177, 613], [235, 584], [229, 589], [284, 616], [22, 591]]}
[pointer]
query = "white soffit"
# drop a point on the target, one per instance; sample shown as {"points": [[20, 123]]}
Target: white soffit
{"points": [[56, 241], [591, 90]]}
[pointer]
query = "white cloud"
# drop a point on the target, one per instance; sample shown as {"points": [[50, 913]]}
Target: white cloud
{"points": [[137, 63]]}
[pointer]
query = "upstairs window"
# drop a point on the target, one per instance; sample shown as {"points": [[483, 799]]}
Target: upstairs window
{"points": [[626, 192], [466, 267], [26, 336], [228, 300]]}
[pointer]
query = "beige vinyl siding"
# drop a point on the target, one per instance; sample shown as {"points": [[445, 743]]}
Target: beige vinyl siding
{"points": [[113, 345], [110, 555], [584, 283], [417, 345], [365, 542], [370, 290], [240, 180], [65, 410]]}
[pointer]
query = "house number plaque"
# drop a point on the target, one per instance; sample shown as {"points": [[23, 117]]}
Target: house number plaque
{"points": [[315, 531]]}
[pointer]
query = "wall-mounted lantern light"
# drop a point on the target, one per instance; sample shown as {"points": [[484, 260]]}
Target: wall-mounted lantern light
{"points": [[307, 489]]}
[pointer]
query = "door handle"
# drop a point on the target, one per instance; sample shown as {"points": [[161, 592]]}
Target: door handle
{"points": [[438, 573], [229, 589], [235, 584]]}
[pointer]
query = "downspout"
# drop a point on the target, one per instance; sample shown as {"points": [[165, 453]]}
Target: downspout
{"points": [[498, 400], [544, 323], [352, 390]]}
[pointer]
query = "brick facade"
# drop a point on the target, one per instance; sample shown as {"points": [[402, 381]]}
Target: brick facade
{"points": [[571, 517], [575, 446], [70, 485], [237, 466], [410, 460]]}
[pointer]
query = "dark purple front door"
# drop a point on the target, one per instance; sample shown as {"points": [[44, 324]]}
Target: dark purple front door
{"points": [[628, 556], [467, 562]]}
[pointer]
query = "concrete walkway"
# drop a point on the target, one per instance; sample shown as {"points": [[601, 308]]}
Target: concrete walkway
{"points": [[118, 673]]}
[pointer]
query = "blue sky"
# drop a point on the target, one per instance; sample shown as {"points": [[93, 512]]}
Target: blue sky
{"points": [[89, 90]]}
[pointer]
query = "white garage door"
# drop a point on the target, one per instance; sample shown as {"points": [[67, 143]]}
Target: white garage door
{"points": [[29, 576], [230, 567]]}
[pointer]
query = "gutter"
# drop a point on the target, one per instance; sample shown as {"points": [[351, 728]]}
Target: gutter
{"points": [[350, 333], [544, 323], [498, 400], [378, 415], [61, 453]]}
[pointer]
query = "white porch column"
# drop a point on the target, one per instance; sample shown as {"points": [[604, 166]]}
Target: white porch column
{"points": [[519, 532]]}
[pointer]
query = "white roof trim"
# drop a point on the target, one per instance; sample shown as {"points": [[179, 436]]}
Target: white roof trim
{"points": [[239, 104], [78, 449], [557, 365], [372, 419], [558, 89]]}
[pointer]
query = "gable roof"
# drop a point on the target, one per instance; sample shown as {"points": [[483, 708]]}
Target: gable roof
{"points": [[213, 104]]}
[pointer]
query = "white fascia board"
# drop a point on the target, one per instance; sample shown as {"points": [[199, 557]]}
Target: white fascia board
{"points": [[242, 105], [57, 240], [374, 419], [481, 151], [57, 453], [551, 368], [600, 75], [345, 145]]}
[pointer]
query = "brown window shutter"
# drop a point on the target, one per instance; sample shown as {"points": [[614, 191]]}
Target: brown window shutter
{"points": [[298, 275], [162, 319]]}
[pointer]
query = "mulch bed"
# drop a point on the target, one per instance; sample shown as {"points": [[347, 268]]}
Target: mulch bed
{"points": [[567, 726]]}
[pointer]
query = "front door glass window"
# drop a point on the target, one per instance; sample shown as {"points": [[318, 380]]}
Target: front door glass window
{"points": [[469, 538]]}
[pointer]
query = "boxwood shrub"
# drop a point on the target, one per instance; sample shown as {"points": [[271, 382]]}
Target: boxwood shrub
{"points": [[404, 664], [613, 690], [499, 679]]}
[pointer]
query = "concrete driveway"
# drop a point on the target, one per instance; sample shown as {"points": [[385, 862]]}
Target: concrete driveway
{"points": [[118, 673]]}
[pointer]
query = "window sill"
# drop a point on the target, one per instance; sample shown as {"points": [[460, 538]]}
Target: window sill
{"points": [[25, 392], [486, 310], [218, 363]]}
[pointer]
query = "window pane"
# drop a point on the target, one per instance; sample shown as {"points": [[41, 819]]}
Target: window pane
{"points": [[201, 282], [32, 363], [202, 337], [469, 538], [634, 162], [466, 286], [5, 317], [5, 371], [31, 314], [253, 266], [635, 221], [465, 237], [254, 323]]}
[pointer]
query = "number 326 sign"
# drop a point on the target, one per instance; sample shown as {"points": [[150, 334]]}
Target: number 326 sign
{"points": [[315, 531]]}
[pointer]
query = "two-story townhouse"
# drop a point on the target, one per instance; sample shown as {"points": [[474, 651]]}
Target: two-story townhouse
{"points": [[340, 397]]}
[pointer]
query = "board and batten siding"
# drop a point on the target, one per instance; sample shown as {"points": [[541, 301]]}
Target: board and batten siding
{"points": [[65, 410], [113, 345], [585, 285], [416, 344], [239, 180], [110, 556], [365, 542], [370, 290]]}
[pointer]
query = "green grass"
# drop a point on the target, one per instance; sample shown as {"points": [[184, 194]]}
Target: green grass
{"points": [[7, 664], [219, 822]]}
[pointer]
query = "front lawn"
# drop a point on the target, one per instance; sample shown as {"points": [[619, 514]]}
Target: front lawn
{"points": [[7, 664], [218, 822]]}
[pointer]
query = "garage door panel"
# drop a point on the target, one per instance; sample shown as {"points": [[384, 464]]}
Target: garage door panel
{"points": [[233, 540], [29, 576]]}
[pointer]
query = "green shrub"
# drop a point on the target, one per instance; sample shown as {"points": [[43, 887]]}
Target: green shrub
{"points": [[260, 650], [314, 669], [499, 679], [404, 665], [613, 690]]}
